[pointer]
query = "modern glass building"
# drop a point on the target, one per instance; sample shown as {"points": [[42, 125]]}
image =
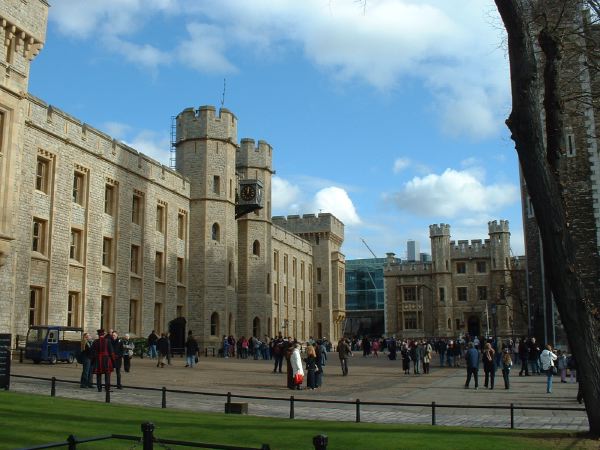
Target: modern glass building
{"points": [[364, 284]]}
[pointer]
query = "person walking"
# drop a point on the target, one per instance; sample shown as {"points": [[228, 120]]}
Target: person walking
{"points": [[191, 350], [163, 349], [534, 356], [472, 360], [277, 352], [506, 366], [102, 355], [489, 365], [128, 347], [524, 357], [117, 345], [405, 355], [297, 370], [547, 358], [427, 355], [152, 341], [311, 367], [344, 352], [321, 352], [86, 362]]}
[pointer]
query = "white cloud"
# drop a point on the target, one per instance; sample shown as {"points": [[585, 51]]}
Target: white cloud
{"points": [[336, 201], [453, 194], [116, 130], [285, 196], [400, 164], [152, 144], [144, 55], [205, 49]]}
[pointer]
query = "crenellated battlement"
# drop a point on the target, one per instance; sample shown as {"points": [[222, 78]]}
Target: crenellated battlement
{"points": [[72, 131], [311, 223], [250, 154], [436, 230], [498, 226], [205, 123]]}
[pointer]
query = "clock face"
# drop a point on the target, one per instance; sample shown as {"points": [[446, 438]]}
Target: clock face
{"points": [[248, 192]]}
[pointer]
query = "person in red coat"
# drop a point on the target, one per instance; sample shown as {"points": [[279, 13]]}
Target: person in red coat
{"points": [[103, 357]]}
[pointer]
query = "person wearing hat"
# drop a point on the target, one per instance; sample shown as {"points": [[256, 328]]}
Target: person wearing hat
{"points": [[128, 347], [103, 356]]}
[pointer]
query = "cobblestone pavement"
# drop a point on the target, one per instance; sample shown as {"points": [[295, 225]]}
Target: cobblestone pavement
{"points": [[370, 380]]}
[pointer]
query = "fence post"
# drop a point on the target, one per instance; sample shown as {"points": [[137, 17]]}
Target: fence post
{"points": [[107, 395], [21, 355], [164, 397], [206, 352], [432, 413], [72, 440], [53, 387], [512, 416], [357, 410], [291, 406], [320, 442], [228, 407], [148, 435]]}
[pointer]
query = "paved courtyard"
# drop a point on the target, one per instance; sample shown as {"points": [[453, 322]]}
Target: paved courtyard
{"points": [[370, 380]]}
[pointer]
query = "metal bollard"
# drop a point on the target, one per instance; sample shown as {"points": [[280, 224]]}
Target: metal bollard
{"points": [[72, 440], [21, 355], [107, 396], [164, 397], [53, 387], [320, 442], [148, 435], [432, 413], [291, 406], [512, 416], [357, 410]]}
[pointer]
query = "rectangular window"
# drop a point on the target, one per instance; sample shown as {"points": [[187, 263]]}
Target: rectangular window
{"points": [[318, 274], [181, 226], [106, 312], [136, 210], [442, 292], [75, 249], [310, 303], [73, 310], [319, 300], [481, 267], [158, 265], [109, 198], [310, 274], [294, 263], [216, 184], [285, 263], [285, 295], [160, 218], [78, 187], [135, 259], [410, 294], [38, 238], [158, 317], [42, 174], [302, 270], [107, 253], [482, 292], [461, 267], [35, 306], [302, 299], [275, 260], [180, 271], [410, 320], [461, 294], [502, 293], [134, 316], [294, 296], [2, 115]]}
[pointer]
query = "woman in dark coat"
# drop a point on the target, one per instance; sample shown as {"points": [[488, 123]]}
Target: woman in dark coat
{"points": [[191, 349], [103, 356], [405, 353], [163, 350], [311, 367]]}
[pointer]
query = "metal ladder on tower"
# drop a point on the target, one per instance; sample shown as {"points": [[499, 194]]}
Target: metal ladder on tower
{"points": [[173, 156]]}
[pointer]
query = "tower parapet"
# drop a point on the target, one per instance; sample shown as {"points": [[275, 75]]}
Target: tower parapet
{"points": [[436, 230], [501, 226], [205, 123], [253, 155], [312, 223]]}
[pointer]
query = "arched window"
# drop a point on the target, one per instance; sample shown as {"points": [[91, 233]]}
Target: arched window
{"points": [[256, 248], [449, 324], [216, 232], [230, 274], [214, 324], [256, 327]]}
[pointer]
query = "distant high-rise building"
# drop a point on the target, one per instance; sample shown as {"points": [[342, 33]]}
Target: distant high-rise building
{"points": [[412, 250]]}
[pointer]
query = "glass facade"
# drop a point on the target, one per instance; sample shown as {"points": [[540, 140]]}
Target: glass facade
{"points": [[364, 284]]}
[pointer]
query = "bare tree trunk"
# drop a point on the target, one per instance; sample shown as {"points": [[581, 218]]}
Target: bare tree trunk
{"points": [[579, 312]]}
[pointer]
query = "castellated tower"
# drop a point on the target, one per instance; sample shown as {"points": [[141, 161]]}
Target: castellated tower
{"points": [[442, 288], [206, 153], [501, 288], [254, 161]]}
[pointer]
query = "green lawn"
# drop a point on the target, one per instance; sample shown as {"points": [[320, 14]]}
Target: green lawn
{"points": [[27, 420]]}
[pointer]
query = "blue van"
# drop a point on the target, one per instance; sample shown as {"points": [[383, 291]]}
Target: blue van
{"points": [[53, 343]]}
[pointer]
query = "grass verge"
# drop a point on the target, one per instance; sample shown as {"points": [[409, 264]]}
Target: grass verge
{"points": [[27, 420]]}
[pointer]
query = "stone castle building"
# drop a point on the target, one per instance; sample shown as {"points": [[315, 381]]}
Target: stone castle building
{"points": [[468, 287], [96, 234]]}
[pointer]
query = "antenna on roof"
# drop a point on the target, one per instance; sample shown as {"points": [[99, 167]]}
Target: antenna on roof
{"points": [[223, 96]]}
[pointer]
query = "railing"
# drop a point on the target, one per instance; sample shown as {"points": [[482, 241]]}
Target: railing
{"points": [[433, 406], [148, 439]]}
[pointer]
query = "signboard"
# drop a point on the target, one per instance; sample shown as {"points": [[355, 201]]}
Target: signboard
{"points": [[5, 340]]}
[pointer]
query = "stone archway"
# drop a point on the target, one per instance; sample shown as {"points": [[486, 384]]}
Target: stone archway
{"points": [[473, 326]]}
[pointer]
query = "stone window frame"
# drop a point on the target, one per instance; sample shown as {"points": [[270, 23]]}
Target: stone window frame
{"points": [[411, 320], [106, 312], [214, 324], [107, 252], [74, 309], [39, 236], [158, 316], [410, 293], [216, 187], [134, 314], [36, 310], [481, 266], [461, 268], [462, 290], [215, 232], [80, 188], [76, 245], [159, 265], [135, 259], [256, 247], [182, 225], [110, 197], [319, 300], [442, 294], [180, 270], [161, 217], [137, 207], [480, 291]]}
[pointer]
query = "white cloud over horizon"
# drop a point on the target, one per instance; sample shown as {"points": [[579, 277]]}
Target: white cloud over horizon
{"points": [[451, 48], [452, 194]]}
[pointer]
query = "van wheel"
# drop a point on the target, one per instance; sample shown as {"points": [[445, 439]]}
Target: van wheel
{"points": [[53, 359], [71, 358]]}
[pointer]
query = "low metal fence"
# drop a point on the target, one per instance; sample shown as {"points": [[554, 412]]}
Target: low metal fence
{"points": [[433, 406]]}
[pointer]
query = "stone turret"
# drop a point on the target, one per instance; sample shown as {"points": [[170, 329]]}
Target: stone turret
{"points": [[499, 244], [440, 247]]}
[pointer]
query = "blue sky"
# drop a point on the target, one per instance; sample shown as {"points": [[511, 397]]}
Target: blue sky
{"points": [[391, 116]]}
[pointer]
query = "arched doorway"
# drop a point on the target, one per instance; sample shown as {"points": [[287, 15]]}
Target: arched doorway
{"points": [[473, 326]]}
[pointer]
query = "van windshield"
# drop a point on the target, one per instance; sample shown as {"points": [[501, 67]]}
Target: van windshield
{"points": [[36, 335]]}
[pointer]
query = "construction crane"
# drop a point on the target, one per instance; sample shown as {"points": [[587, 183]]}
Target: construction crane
{"points": [[368, 271], [367, 245]]}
